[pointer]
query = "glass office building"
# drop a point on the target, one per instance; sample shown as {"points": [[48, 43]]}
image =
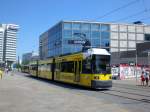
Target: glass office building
{"points": [[112, 36]]}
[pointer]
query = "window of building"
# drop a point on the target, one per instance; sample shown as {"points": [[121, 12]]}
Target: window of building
{"points": [[76, 26], [95, 42], [147, 29], [114, 49], [131, 28], [105, 43], [105, 27], [147, 37], [139, 29], [131, 44], [87, 33], [123, 49], [123, 28], [95, 34], [114, 27], [67, 26], [67, 34], [123, 43], [95, 27], [78, 48], [123, 36], [105, 39], [76, 31], [67, 67], [114, 35], [66, 49], [105, 35], [114, 43], [85, 26], [131, 36]]}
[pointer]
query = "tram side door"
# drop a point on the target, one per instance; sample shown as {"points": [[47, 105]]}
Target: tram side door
{"points": [[77, 71]]}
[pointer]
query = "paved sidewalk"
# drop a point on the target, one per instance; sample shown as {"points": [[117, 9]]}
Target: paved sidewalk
{"points": [[132, 81], [20, 93]]}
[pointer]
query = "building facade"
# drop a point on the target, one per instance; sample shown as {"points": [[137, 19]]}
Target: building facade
{"points": [[140, 56], [27, 57], [112, 36], [8, 39], [1, 42]]}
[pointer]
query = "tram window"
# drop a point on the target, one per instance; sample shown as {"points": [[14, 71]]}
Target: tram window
{"points": [[41, 67], [34, 68], [48, 67], [86, 66], [100, 64], [67, 67], [57, 66]]}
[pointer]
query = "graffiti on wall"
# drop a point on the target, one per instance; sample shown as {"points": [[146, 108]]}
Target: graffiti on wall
{"points": [[127, 71]]}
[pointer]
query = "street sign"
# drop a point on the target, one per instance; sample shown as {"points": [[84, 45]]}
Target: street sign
{"points": [[76, 42]]}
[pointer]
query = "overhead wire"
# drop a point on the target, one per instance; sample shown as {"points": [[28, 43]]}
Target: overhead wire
{"points": [[132, 15], [146, 18], [144, 4], [117, 9]]}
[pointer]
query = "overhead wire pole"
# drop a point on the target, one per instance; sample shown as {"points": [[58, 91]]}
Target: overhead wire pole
{"points": [[136, 61], [117, 9]]}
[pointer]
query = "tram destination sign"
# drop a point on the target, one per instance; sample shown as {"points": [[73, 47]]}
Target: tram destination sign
{"points": [[76, 42]]}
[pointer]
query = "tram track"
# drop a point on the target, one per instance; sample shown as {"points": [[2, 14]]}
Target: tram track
{"points": [[135, 98], [127, 93], [134, 87], [133, 93], [120, 94]]}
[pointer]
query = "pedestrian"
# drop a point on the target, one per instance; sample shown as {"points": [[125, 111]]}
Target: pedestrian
{"points": [[7, 70], [142, 79], [1, 73], [146, 77]]}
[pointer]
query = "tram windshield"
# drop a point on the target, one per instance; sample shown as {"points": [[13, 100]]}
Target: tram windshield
{"points": [[101, 64]]}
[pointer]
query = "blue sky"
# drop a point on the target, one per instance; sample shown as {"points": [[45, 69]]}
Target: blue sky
{"points": [[36, 16]]}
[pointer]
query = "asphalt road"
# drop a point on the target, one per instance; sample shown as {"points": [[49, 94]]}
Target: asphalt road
{"points": [[22, 93]]}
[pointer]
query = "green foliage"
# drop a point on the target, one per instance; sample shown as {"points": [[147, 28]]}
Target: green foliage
{"points": [[18, 65], [25, 62]]}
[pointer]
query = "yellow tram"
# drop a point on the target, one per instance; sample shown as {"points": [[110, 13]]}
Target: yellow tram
{"points": [[90, 68], [25, 68]]}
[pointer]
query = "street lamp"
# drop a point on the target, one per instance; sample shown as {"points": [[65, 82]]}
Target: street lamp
{"points": [[136, 65]]}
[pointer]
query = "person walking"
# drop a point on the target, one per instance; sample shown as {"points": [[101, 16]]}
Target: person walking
{"points": [[142, 79], [1, 73], [146, 77]]}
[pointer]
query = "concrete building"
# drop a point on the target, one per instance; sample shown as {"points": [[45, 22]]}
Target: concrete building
{"points": [[8, 37], [141, 55], [114, 37]]}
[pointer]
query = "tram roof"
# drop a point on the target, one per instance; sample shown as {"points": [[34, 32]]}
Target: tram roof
{"points": [[98, 51]]}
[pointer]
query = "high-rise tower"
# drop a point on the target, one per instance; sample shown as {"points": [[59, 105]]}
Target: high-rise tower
{"points": [[8, 40]]}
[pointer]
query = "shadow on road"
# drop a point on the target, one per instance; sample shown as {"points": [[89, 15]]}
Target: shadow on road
{"points": [[63, 84]]}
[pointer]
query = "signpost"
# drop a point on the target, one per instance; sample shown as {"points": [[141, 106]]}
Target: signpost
{"points": [[84, 42], [76, 42]]}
